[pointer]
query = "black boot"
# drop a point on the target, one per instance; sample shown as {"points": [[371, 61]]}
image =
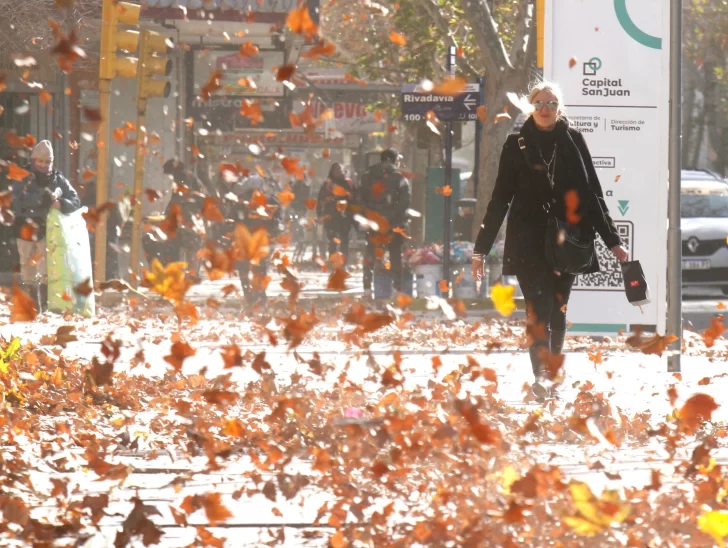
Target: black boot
{"points": [[557, 341], [536, 352], [42, 298]]}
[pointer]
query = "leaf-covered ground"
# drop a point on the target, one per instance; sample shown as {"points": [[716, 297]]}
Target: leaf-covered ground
{"points": [[368, 429]]}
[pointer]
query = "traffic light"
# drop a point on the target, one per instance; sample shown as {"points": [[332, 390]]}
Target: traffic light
{"points": [[115, 42], [153, 62]]}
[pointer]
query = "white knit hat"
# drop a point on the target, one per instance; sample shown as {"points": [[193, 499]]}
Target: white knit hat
{"points": [[43, 151]]}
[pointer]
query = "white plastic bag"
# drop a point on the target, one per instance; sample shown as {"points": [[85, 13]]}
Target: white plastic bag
{"points": [[69, 263]]}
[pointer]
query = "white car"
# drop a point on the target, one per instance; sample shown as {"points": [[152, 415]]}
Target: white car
{"points": [[704, 213]]}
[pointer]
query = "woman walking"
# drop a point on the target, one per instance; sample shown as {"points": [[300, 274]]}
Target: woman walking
{"points": [[332, 207], [547, 179]]}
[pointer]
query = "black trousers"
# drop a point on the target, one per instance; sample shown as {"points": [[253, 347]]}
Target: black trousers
{"points": [[338, 238], [547, 296], [251, 295], [395, 259]]}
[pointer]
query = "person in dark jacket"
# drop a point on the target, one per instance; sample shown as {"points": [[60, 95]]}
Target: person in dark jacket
{"points": [[385, 191], [33, 198], [332, 208], [186, 203], [559, 161], [254, 216]]}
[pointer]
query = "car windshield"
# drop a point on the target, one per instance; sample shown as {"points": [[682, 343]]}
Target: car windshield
{"points": [[703, 205]]}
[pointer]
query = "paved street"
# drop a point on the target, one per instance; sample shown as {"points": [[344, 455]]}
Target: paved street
{"points": [[162, 471]]}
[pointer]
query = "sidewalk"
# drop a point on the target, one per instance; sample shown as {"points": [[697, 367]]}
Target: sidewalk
{"points": [[278, 473]]}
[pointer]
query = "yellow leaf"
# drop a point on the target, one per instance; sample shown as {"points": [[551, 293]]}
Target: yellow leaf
{"points": [[715, 524], [581, 526], [502, 297], [595, 514]]}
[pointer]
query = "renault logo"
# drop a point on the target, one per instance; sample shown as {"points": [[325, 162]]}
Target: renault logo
{"points": [[693, 244]]}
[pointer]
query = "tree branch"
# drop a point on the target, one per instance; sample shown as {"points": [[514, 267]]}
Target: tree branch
{"points": [[433, 11], [523, 26], [486, 36]]}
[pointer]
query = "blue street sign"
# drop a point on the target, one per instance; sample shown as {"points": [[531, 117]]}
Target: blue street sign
{"points": [[462, 107]]}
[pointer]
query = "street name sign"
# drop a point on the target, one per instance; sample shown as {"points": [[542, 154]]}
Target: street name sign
{"points": [[416, 103]]}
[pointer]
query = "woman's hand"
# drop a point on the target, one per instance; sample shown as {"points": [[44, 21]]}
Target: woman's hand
{"points": [[620, 253], [477, 267]]}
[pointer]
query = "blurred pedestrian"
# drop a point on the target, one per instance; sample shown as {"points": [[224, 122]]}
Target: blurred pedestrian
{"points": [[33, 198], [333, 209], [386, 191], [257, 208], [185, 205], [539, 167]]}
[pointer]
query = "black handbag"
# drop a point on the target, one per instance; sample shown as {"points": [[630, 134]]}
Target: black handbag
{"points": [[635, 283], [569, 248]]}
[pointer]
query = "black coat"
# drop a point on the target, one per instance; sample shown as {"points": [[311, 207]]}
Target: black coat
{"points": [[31, 199], [521, 189], [328, 199], [391, 198]]}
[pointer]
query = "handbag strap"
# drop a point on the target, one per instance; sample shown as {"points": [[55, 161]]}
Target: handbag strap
{"points": [[546, 200]]}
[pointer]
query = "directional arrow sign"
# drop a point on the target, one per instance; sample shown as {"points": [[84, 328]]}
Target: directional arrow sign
{"points": [[470, 101], [462, 107]]}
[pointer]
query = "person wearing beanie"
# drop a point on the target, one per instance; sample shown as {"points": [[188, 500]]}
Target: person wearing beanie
{"points": [[33, 198]]}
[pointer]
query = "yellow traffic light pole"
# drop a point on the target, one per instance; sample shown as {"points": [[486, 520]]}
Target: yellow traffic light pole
{"points": [[141, 133], [112, 13], [152, 47]]}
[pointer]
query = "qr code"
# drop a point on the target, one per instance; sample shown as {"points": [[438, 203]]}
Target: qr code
{"points": [[610, 277]]}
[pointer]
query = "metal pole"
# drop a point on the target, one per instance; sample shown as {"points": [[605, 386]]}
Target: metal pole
{"points": [[674, 236], [102, 172], [446, 274], [136, 230], [478, 141]]}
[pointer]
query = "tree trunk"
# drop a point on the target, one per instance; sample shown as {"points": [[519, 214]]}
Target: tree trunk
{"points": [[494, 135]]}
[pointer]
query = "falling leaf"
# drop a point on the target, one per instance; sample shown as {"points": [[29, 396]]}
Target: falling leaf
{"points": [[299, 21], [594, 515], [482, 113], [210, 210], [213, 84], [397, 39], [285, 73], [88, 175], [231, 356], [572, 62], [44, 97], [571, 202], [450, 85], [445, 191], [16, 173], [321, 49], [84, 288], [502, 297], [179, 352], [444, 287], [248, 49], [617, 178], [285, 197], [715, 330], [22, 307], [251, 110], [67, 48], [656, 344], [697, 409], [250, 247], [714, 523], [337, 280], [215, 511], [152, 194], [169, 281]]}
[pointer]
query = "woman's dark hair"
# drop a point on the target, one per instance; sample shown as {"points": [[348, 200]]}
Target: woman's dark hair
{"points": [[333, 166]]}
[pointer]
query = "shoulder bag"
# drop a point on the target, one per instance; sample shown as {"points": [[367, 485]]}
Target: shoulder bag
{"points": [[569, 248]]}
